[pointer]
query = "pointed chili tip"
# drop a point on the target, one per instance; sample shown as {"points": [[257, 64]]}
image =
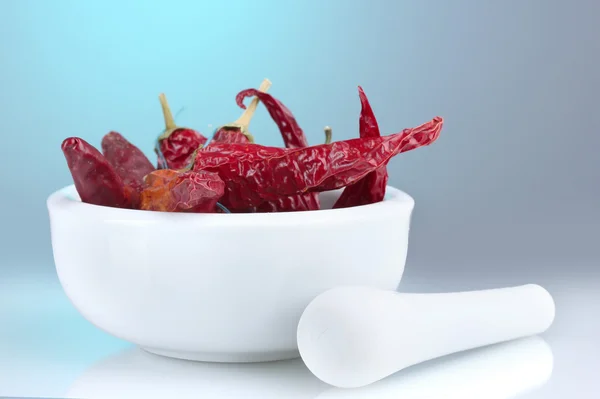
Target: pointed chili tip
{"points": [[113, 133], [361, 95], [439, 122], [111, 138], [71, 143]]}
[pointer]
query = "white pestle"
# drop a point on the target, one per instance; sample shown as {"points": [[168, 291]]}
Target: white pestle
{"points": [[501, 371], [353, 336]]}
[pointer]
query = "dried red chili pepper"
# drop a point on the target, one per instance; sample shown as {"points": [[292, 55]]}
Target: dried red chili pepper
{"points": [[223, 135], [95, 179], [292, 203], [371, 188], [298, 202], [173, 191], [237, 132], [292, 134], [293, 137], [128, 161], [256, 173], [176, 145]]}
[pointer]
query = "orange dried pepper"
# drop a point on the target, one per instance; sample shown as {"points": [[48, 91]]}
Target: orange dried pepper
{"points": [[182, 191]]}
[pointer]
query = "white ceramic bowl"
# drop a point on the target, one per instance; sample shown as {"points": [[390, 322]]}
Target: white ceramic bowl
{"points": [[220, 287]]}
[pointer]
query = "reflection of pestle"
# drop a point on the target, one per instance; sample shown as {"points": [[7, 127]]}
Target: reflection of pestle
{"points": [[499, 371], [138, 374], [354, 336]]}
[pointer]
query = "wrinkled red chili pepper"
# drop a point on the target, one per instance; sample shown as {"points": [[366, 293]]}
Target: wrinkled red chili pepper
{"points": [[293, 137], [297, 202], [176, 145], [173, 191], [178, 148], [371, 188], [256, 173], [237, 132], [128, 161], [292, 134], [95, 179], [223, 135], [292, 203]]}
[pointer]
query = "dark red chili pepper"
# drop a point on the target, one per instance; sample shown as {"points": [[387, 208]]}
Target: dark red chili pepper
{"points": [[298, 202], [292, 134], [176, 145], [256, 173], [173, 191], [95, 179], [293, 137], [371, 188], [224, 135], [128, 161], [237, 132], [292, 203]]}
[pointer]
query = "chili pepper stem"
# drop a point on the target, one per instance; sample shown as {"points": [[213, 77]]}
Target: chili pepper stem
{"points": [[168, 116], [328, 135]]}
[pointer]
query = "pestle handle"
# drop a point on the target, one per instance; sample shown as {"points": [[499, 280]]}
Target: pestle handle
{"points": [[354, 336]]}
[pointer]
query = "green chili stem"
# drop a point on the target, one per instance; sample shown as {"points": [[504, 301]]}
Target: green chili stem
{"points": [[328, 135]]}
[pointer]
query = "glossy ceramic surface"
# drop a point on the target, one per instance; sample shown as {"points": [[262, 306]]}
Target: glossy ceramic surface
{"points": [[220, 287]]}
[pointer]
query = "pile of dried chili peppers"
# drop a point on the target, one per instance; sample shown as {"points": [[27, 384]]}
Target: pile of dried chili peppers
{"points": [[230, 173]]}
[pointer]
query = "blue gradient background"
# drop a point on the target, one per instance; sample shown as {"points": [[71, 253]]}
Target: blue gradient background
{"points": [[507, 195]]}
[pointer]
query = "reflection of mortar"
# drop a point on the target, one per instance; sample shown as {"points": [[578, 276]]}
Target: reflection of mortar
{"points": [[220, 287], [500, 371], [137, 374]]}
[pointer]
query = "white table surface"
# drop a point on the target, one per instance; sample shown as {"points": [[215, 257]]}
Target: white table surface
{"points": [[48, 350]]}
